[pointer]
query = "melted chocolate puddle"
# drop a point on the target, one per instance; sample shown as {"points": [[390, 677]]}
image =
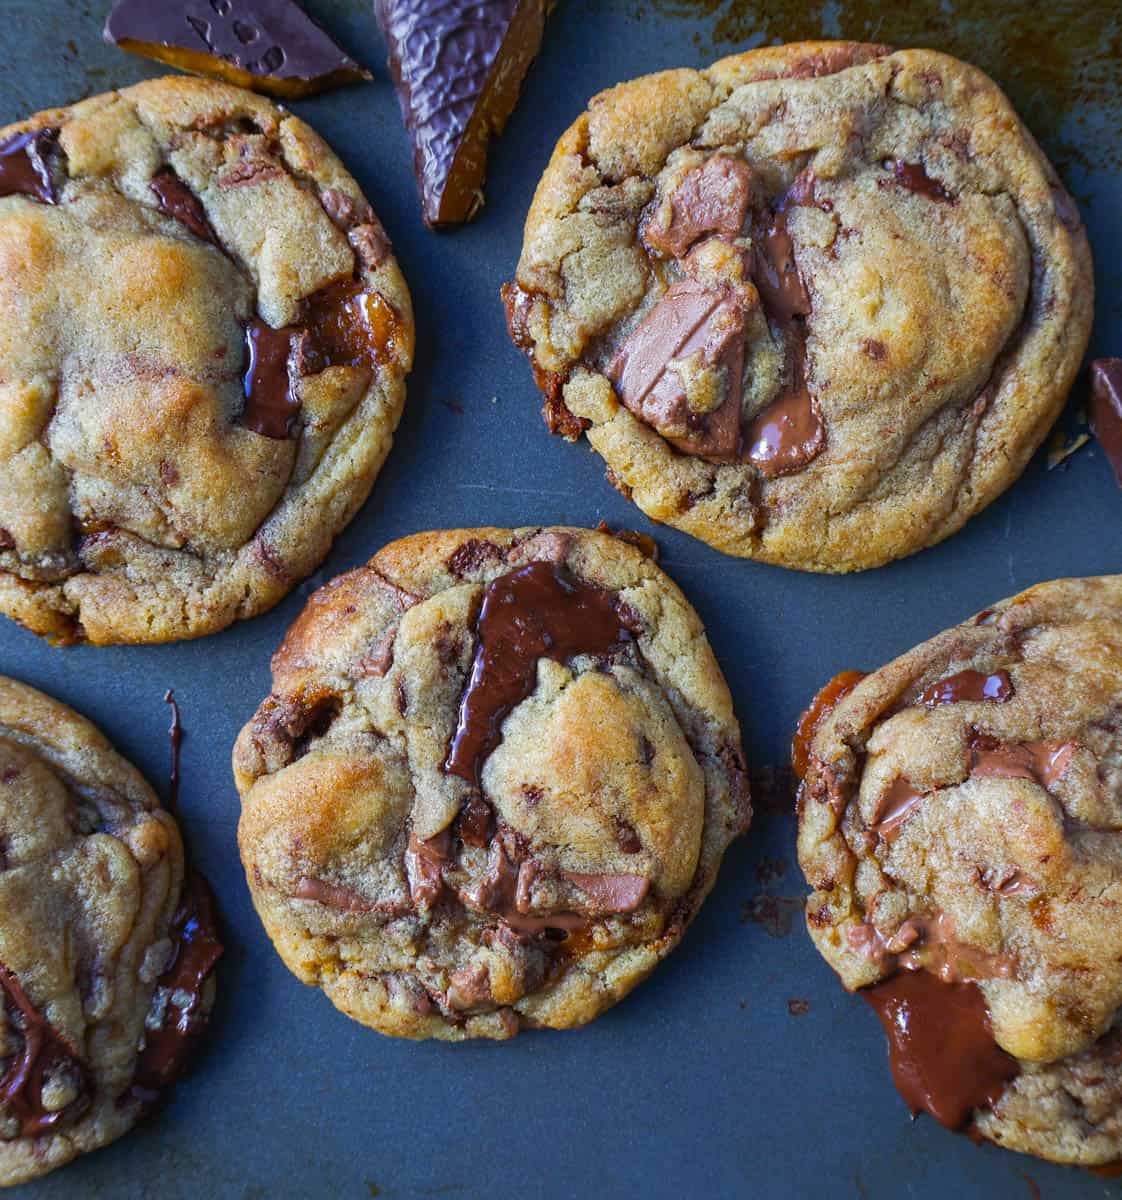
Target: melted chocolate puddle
{"points": [[25, 166], [176, 200], [167, 1049], [970, 686], [44, 1053], [538, 611], [940, 1045]]}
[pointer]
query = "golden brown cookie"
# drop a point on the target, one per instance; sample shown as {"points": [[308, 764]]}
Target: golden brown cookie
{"points": [[493, 782], [816, 305], [961, 826], [202, 360], [107, 943]]}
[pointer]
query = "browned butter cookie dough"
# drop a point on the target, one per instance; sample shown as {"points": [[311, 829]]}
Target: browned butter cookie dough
{"points": [[202, 360], [816, 305], [960, 822], [493, 782], [107, 942]]}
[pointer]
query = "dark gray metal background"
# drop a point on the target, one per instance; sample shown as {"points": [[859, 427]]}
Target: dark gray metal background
{"points": [[702, 1083]]}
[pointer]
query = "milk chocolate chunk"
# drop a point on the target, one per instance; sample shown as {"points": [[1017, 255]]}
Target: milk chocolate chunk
{"points": [[269, 46], [974, 686], [1043, 762], [776, 274], [940, 1045], [177, 200], [44, 1055], [681, 370], [270, 407], [538, 611], [197, 949], [25, 165], [458, 67], [1106, 410], [895, 807], [711, 199]]}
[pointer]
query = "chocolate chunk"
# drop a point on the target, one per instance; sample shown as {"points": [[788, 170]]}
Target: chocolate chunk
{"points": [[458, 69], [537, 611], [970, 686], [270, 407], [194, 932], [681, 370], [270, 46], [941, 1047], [776, 274], [789, 433], [1042, 762], [896, 806], [711, 199], [44, 1054], [178, 201], [504, 891], [1106, 410], [331, 895], [25, 168], [611, 893], [819, 709], [913, 177], [425, 860]]}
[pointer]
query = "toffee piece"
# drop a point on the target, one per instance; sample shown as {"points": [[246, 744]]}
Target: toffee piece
{"points": [[458, 68], [269, 46], [531, 732], [226, 335], [107, 945], [958, 824], [792, 299]]}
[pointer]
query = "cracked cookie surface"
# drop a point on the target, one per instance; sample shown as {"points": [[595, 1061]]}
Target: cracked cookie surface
{"points": [[107, 942], [493, 782], [202, 362], [961, 820], [816, 305]]}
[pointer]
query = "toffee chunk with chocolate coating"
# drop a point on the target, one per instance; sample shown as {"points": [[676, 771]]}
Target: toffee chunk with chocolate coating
{"points": [[817, 304], [107, 941], [269, 46], [202, 361], [960, 824], [493, 782]]}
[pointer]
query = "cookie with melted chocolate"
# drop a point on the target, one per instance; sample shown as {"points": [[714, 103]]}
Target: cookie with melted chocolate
{"points": [[108, 943], [204, 356], [960, 824], [270, 46], [502, 768], [793, 299]]}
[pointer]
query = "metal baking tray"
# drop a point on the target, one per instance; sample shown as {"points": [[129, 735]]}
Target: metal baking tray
{"points": [[741, 1068]]}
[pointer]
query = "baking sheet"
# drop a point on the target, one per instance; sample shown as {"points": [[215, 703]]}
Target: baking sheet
{"points": [[741, 1068]]}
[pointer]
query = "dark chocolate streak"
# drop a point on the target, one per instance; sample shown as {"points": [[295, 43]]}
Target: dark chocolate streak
{"points": [[940, 1045], [175, 736], [194, 930], [970, 686], [44, 1052], [24, 165], [913, 177], [537, 611], [176, 200]]}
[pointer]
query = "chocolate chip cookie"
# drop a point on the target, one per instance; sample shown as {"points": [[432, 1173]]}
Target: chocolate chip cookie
{"points": [[960, 822], [816, 305], [493, 782], [107, 943], [202, 360]]}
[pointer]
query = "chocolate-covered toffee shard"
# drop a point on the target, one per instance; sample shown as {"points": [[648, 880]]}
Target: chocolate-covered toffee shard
{"points": [[269, 46], [458, 67], [1106, 410]]}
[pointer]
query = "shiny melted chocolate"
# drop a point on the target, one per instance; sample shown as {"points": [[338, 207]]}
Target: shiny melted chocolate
{"points": [[194, 932], [970, 686], [940, 1045], [25, 168], [538, 611], [1042, 762], [271, 408], [895, 807], [820, 708], [43, 1054], [1106, 410], [789, 433], [176, 200]]}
